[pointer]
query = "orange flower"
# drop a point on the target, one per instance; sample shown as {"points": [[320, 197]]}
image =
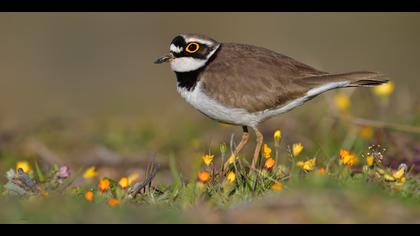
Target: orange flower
{"points": [[89, 195], [347, 158], [322, 171], [123, 183], [104, 185], [277, 187], [203, 176], [350, 160], [269, 164], [267, 151], [113, 202], [344, 153]]}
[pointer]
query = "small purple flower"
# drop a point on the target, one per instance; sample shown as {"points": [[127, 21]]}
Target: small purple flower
{"points": [[63, 173]]}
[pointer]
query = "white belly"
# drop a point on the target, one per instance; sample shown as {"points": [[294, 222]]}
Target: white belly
{"points": [[215, 110], [239, 116]]}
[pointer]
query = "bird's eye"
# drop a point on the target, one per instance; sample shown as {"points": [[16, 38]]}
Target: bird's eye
{"points": [[192, 47]]}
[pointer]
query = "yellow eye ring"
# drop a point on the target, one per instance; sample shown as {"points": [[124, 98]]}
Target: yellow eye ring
{"points": [[192, 47]]}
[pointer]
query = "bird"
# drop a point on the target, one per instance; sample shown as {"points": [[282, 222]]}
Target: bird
{"points": [[244, 85]]}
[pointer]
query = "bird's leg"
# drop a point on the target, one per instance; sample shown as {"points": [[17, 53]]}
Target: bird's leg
{"points": [[241, 145], [260, 139]]}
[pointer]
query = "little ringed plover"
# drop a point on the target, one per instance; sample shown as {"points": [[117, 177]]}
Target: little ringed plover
{"points": [[245, 85]]}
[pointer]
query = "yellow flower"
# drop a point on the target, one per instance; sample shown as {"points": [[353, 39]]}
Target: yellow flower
{"points": [[366, 132], [399, 173], [277, 136], [89, 195], [208, 159], [133, 178], [90, 173], [24, 165], [401, 182], [307, 165], [277, 187], [231, 177], [269, 164], [322, 171], [342, 102], [297, 149], [370, 160], [232, 159], [203, 176], [347, 158], [267, 151], [104, 185], [350, 160], [113, 202], [123, 183], [389, 178], [384, 90]]}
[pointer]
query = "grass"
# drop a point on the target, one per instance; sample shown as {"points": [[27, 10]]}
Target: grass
{"points": [[330, 180]]}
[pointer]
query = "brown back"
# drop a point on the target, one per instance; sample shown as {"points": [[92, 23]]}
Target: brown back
{"points": [[254, 78]]}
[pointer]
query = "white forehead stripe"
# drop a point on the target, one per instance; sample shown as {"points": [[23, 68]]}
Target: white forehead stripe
{"points": [[175, 49], [202, 41]]}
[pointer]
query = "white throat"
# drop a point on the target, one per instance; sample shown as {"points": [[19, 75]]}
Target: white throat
{"points": [[185, 64]]}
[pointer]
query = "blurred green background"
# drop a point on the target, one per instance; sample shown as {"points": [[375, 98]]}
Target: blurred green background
{"points": [[81, 89]]}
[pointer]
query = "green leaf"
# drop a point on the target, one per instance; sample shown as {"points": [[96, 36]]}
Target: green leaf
{"points": [[175, 174], [113, 185], [39, 173]]}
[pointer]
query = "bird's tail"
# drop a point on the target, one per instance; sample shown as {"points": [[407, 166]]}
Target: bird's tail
{"points": [[352, 79], [315, 85]]}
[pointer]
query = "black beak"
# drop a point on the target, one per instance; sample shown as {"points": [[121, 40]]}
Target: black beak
{"points": [[165, 58]]}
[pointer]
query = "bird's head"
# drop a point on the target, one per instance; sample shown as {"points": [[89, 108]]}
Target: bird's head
{"points": [[189, 52]]}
